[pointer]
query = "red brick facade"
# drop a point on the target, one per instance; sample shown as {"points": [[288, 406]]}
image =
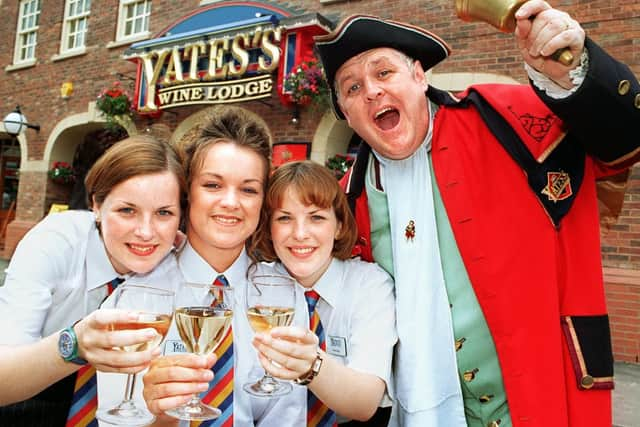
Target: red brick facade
{"points": [[476, 48]]}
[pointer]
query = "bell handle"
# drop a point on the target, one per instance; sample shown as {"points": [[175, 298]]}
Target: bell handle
{"points": [[501, 15], [563, 56]]}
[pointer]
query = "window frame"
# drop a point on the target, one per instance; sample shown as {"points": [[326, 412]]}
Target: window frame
{"points": [[123, 20], [66, 24], [21, 32]]}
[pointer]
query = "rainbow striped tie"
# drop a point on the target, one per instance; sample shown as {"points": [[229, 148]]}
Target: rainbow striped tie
{"points": [[220, 393], [318, 414], [84, 403]]}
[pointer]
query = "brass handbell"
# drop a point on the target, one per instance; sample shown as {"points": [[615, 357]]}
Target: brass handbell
{"points": [[501, 15]]}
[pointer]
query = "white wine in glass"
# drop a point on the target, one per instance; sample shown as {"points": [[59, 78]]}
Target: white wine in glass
{"points": [[202, 328], [155, 310], [159, 322], [271, 300], [263, 318]]}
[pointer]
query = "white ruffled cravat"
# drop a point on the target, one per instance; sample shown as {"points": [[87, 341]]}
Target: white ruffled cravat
{"points": [[427, 384]]}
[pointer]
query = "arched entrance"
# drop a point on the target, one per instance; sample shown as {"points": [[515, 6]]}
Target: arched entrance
{"points": [[34, 200], [69, 135]]}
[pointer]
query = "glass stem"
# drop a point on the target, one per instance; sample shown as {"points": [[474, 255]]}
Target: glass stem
{"points": [[267, 377], [131, 385], [267, 383], [195, 401]]}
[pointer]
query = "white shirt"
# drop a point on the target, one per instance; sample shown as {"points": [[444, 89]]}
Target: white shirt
{"points": [[56, 276], [357, 311], [288, 410]]}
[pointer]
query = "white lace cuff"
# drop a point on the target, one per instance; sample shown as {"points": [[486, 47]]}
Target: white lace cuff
{"points": [[554, 90]]}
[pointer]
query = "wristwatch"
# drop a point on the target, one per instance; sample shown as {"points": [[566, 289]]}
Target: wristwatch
{"points": [[315, 368], [68, 346]]}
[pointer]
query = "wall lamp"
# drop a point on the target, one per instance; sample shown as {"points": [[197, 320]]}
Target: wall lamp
{"points": [[15, 122], [295, 117]]}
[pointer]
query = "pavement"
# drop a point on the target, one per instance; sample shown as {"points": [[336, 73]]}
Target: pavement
{"points": [[626, 395]]}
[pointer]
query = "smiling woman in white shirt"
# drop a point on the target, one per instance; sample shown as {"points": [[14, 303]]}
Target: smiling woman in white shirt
{"points": [[310, 232], [65, 267], [227, 162]]}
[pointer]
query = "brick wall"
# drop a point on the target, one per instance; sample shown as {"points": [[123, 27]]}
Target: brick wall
{"points": [[622, 287], [621, 244]]}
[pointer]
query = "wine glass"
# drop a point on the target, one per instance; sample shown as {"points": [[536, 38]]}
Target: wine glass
{"points": [[271, 300], [155, 310], [202, 328]]}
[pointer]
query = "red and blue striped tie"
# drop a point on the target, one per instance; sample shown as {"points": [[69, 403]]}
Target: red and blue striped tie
{"points": [[318, 414], [220, 393], [84, 403]]}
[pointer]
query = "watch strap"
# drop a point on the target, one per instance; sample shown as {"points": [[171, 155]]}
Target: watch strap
{"points": [[73, 357], [312, 373]]}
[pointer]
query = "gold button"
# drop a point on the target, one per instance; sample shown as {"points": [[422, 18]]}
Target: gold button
{"points": [[623, 87], [485, 398], [495, 423], [636, 102], [586, 381], [470, 375], [459, 343]]}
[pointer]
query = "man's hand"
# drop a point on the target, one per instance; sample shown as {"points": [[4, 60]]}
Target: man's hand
{"points": [[542, 30]]}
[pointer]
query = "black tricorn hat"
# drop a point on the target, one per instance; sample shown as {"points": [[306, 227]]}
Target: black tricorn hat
{"points": [[359, 33]]}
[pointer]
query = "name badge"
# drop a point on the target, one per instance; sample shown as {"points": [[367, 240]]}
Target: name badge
{"points": [[337, 346], [174, 347]]}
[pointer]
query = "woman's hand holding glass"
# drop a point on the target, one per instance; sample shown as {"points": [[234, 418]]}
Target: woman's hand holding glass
{"points": [[100, 344], [287, 352], [270, 301], [131, 333], [202, 327], [173, 380]]}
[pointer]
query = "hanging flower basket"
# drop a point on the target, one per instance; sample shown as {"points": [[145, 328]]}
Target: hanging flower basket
{"points": [[306, 85], [115, 104], [61, 173]]}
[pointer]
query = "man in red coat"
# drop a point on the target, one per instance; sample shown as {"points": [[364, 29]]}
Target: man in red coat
{"points": [[484, 208]]}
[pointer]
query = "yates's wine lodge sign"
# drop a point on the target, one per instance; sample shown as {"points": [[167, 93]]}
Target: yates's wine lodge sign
{"points": [[227, 52], [231, 68]]}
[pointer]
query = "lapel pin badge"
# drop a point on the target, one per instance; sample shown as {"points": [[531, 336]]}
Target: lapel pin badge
{"points": [[410, 231]]}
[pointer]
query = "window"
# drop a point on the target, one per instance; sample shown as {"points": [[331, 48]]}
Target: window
{"points": [[133, 19], [76, 18], [27, 33]]}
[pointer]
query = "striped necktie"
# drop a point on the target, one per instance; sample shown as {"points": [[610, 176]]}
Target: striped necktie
{"points": [[318, 414], [85, 393], [220, 393]]}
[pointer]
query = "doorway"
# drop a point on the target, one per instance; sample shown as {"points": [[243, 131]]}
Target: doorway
{"points": [[9, 180]]}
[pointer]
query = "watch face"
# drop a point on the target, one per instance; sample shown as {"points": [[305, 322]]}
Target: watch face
{"points": [[65, 344], [315, 367]]}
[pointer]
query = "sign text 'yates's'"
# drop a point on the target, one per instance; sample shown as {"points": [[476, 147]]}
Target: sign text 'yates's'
{"points": [[186, 79]]}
